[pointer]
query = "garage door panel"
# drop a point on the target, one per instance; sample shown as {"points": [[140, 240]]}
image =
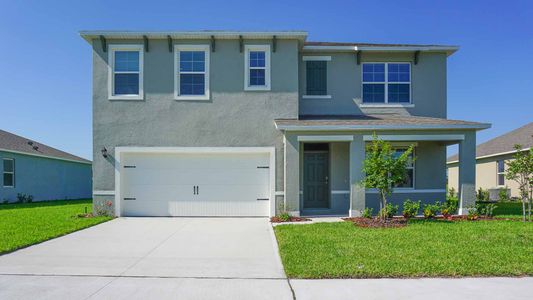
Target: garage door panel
{"points": [[139, 176], [236, 184]]}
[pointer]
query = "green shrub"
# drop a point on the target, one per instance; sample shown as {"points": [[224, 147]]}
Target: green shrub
{"points": [[284, 216], [430, 210], [482, 195], [367, 212], [502, 194], [23, 198], [473, 213], [486, 210], [410, 208], [389, 211]]}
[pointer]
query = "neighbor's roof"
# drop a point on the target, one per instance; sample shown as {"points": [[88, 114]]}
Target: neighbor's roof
{"points": [[10, 142], [90, 35], [373, 122], [504, 144]]}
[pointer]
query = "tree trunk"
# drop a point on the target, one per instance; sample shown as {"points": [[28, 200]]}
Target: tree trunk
{"points": [[524, 199], [383, 206]]}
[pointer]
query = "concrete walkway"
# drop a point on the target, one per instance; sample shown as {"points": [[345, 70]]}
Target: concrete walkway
{"points": [[201, 258]]}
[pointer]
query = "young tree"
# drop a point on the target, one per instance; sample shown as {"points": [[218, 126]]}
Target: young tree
{"points": [[384, 169], [520, 170]]}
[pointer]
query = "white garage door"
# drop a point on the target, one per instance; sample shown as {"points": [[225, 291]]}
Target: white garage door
{"points": [[195, 184]]}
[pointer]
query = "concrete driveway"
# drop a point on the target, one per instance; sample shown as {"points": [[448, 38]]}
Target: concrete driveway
{"points": [[151, 257]]}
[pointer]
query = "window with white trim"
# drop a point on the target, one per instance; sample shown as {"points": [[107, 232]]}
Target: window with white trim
{"points": [[409, 180], [257, 68], [191, 80], [387, 83], [8, 172], [500, 173], [126, 72]]}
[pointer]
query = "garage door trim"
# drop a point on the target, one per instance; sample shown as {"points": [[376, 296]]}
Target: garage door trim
{"points": [[120, 151]]}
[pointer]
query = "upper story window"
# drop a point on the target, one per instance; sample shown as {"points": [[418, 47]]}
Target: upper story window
{"points": [[316, 70], [8, 172], [388, 83], [126, 72], [257, 68], [500, 173], [191, 80]]}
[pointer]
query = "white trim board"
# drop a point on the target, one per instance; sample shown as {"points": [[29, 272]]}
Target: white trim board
{"points": [[104, 193], [419, 137], [316, 96], [325, 138], [409, 191], [340, 192], [378, 127], [45, 156], [120, 151], [316, 58]]}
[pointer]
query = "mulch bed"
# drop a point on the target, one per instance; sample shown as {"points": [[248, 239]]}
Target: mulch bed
{"points": [[292, 219], [377, 222]]}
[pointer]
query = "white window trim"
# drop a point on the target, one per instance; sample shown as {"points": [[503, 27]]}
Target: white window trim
{"points": [[111, 71], [247, 49], [12, 173], [386, 83], [498, 173], [177, 49]]}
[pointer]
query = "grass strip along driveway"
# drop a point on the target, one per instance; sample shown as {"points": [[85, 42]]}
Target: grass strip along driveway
{"points": [[22, 225], [421, 249]]}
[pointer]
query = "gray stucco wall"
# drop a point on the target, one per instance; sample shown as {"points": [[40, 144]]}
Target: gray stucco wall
{"points": [[428, 84], [47, 179], [232, 116]]}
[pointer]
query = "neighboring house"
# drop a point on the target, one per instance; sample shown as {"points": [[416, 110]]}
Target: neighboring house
{"points": [[491, 159], [31, 168], [218, 123]]}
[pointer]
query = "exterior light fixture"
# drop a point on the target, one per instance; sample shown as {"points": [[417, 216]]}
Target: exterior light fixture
{"points": [[104, 152]]}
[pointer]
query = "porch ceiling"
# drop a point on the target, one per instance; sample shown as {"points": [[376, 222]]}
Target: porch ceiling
{"points": [[374, 122]]}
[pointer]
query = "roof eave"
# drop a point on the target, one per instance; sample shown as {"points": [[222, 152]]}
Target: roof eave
{"points": [[89, 35], [282, 127], [491, 155], [449, 50]]}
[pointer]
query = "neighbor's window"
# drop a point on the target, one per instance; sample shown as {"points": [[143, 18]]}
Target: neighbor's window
{"points": [[409, 179], [192, 78], [126, 72], [257, 64], [501, 172], [9, 172], [386, 83]]}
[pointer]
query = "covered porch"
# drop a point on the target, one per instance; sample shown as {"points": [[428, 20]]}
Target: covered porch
{"points": [[323, 159]]}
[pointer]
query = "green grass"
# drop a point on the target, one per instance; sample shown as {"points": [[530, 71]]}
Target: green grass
{"points": [[22, 225], [422, 249]]}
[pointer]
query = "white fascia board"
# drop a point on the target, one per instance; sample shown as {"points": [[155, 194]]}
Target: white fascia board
{"points": [[378, 127], [88, 35], [46, 156], [491, 155], [325, 138], [408, 191], [331, 48], [418, 137], [448, 49]]}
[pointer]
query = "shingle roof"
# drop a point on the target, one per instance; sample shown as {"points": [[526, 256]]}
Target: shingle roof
{"points": [[504, 143], [377, 121], [13, 142]]}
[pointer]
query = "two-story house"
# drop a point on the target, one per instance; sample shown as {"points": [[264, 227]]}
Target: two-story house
{"points": [[217, 123]]}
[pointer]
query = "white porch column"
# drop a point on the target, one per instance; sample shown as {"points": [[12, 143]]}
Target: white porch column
{"points": [[357, 191], [467, 172], [292, 174]]}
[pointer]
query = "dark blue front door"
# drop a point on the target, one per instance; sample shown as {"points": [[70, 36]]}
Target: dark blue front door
{"points": [[316, 179]]}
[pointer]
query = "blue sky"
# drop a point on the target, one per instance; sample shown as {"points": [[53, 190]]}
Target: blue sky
{"points": [[45, 67]]}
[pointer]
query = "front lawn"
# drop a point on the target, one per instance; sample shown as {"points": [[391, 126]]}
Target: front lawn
{"points": [[26, 224], [423, 248]]}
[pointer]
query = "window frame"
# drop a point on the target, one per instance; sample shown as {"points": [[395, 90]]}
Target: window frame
{"points": [[306, 59], [247, 68], [413, 167], [111, 71], [498, 173], [4, 172], [177, 74], [386, 83]]}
